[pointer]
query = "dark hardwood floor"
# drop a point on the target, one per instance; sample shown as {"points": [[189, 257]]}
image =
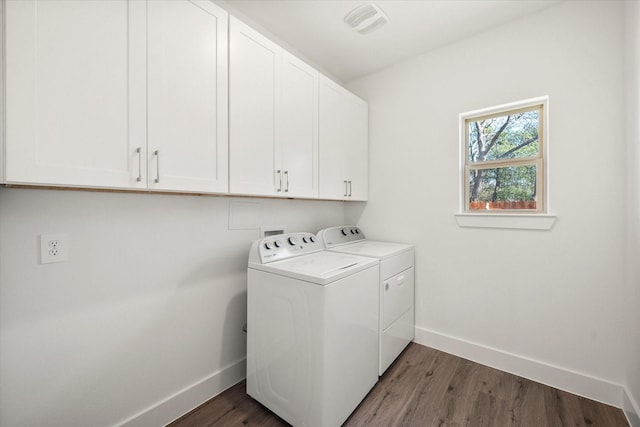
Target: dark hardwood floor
{"points": [[426, 387]]}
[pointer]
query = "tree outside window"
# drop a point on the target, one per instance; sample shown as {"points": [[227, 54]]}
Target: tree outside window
{"points": [[504, 158]]}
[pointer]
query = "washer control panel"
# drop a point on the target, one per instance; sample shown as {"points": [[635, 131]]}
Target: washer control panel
{"points": [[282, 246], [341, 235]]}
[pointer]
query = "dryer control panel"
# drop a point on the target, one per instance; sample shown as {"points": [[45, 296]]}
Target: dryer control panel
{"points": [[283, 246], [336, 236]]}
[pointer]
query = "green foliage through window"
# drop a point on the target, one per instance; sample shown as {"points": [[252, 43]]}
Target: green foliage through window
{"points": [[504, 137], [504, 160]]}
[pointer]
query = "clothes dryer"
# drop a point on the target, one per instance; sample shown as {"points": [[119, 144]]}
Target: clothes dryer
{"points": [[312, 329], [395, 285]]}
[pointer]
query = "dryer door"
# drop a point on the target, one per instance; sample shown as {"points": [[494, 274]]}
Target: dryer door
{"points": [[397, 296]]}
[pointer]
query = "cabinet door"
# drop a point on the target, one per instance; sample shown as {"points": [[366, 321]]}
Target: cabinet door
{"points": [[332, 142], [253, 82], [75, 93], [187, 96], [357, 150], [343, 143], [297, 131]]}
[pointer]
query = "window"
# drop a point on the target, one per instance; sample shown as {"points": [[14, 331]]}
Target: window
{"points": [[504, 158]]}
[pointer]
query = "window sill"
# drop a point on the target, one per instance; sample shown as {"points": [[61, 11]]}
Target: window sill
{"points": [[513, 221]]}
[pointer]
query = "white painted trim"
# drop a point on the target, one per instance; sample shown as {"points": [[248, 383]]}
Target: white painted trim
{"points": [[517, 221], [178, 404], [544, 101], [561, 378], [631, 408], [505, 107]]}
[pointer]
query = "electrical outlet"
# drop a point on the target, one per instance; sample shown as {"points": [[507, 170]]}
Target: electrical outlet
{"points": [[54, 248]]}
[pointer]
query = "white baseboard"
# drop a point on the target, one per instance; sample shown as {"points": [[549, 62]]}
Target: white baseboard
{"points": [[631, 409], [598, 389], [593, 388], [178, 404]]}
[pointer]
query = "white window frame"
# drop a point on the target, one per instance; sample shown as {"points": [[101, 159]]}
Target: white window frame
{"points": [[521, 218]]}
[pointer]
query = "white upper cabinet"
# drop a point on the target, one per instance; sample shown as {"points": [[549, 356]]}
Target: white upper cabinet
{"points": [[297, 132], [187, 96], [253, 82], [75, 92], [117, 94], [171, 96], [273, 142], [343, 143]]}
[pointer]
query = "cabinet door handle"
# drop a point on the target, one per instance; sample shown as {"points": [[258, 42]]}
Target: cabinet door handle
{"points": [[349, 188], [157, 154], [139, 151], [346, 188], [286, 174], [279, 173]]}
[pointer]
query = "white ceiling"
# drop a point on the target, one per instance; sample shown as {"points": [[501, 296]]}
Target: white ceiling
{"points": [[317, 30]]}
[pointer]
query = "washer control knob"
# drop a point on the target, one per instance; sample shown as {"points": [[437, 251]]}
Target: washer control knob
{"points": [[278, 243], [344, 231], [357, 231], [353, 231], [312, 239], [292, 241], [267, 245], [305, 240]]}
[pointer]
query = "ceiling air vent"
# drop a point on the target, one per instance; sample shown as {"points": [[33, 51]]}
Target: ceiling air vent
{"points": [[366, 18]]}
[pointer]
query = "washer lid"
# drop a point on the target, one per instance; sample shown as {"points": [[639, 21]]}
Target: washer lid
{"points": [[321, 268], [380, 250]]}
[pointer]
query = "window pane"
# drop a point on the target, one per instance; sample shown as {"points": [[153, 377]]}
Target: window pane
{"points": [[504, 137], [512, 187]]}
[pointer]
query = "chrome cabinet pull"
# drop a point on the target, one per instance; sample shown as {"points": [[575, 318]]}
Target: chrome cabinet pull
{"points": [[139, 151], [349, 188], [279, 172], [346, 190], [286, 174], [157, 154]]}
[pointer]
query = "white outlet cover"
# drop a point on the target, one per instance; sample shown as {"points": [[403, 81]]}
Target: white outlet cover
{"points": [[54, 248]]}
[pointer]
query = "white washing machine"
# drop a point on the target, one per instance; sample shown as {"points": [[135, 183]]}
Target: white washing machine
{"points": [[396, 286], [312, 329]]}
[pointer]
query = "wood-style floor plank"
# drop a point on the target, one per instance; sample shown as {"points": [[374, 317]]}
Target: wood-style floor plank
{"points": [[426, 387]]}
